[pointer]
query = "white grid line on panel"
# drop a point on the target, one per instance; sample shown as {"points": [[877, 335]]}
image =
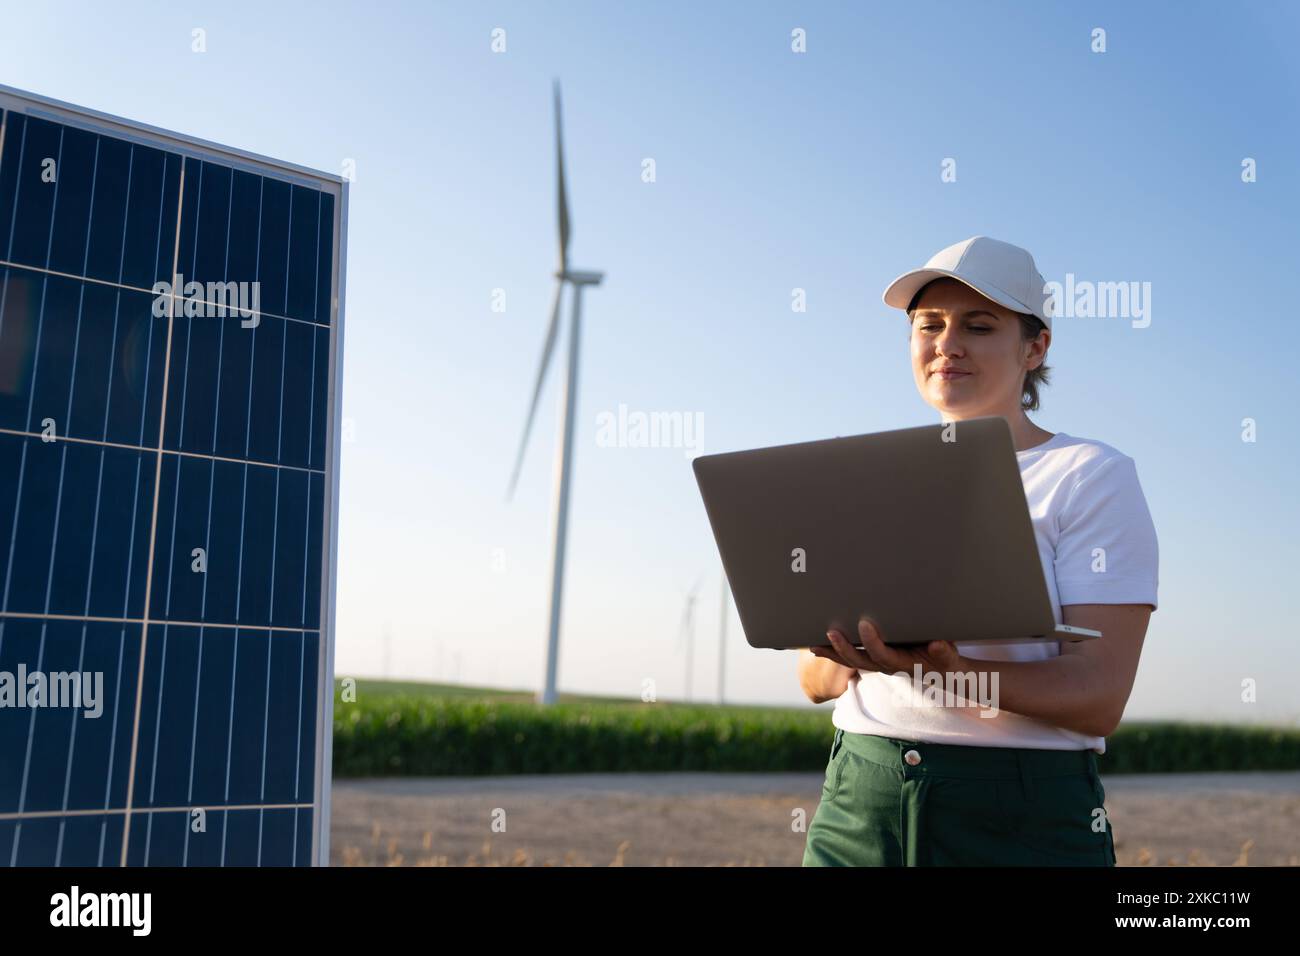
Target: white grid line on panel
{"points": [[112, 345], [243, 510], [49, 587], [13, 223], [8, 263], [194, 731], [137, 811], [153, 529], [99, 489], [157, 251], [275, 526], [176, 494], [81, 659], [112, 738], [221, 330], [45, 283], [157, 731], [58, 500], [13, 539], [166, 451], [33, 616]]}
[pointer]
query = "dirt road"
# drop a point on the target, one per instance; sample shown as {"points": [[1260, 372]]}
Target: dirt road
{"points": [[706, 819]]}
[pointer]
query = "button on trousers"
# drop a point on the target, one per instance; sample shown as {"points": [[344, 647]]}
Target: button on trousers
{"points": [[891, 802]]}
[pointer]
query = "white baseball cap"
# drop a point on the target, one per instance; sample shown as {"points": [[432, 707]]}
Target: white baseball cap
{"points": [[995, 269]]}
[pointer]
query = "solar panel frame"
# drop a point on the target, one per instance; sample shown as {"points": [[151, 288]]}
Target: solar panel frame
{"points": [[18, 101]]}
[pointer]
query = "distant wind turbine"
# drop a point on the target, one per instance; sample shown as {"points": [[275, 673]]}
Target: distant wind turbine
{"points": [[687, 630], [722, 638], [568, 401]]}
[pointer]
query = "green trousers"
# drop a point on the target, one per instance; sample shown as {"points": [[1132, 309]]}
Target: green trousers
{"points": [[890, 802]]}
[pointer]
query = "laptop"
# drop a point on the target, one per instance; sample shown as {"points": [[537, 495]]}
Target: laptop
{"points": [[925, 530]]}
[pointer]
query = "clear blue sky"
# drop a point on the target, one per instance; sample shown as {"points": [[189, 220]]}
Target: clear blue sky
{"points": [[774, 171]]}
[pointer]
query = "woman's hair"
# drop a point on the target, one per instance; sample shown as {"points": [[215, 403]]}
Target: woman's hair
{"points": [[1030, 326]]}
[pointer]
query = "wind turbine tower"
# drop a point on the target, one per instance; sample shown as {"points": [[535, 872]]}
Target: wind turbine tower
{"points": [[568, 402]]}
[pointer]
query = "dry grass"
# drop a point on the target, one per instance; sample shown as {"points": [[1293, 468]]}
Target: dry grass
{"points": [[386, 853], [1145, 857], [390, 855]]}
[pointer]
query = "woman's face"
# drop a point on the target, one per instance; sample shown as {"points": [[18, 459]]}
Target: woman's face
{"points": [[953, 325]]}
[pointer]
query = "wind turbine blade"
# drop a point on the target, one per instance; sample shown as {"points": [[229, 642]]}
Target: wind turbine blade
{"points": [[561, 192], [547, 349]]}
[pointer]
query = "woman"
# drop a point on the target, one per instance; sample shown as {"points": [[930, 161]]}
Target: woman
{"points": [[911, 784]]}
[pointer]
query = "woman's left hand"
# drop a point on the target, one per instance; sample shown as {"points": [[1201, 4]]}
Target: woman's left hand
{"points": [[876, 655]]}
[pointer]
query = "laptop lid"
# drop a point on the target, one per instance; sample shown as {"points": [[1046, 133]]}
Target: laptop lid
{"points": [[926, 530]]}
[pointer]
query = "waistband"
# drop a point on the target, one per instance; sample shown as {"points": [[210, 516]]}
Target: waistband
{"points": [[918, 758]]}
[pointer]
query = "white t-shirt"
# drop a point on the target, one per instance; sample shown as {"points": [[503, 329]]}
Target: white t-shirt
{"points": [[1083, 495]]}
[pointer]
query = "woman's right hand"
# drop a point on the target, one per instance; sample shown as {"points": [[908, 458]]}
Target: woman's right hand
{"points": [[876, 655]]}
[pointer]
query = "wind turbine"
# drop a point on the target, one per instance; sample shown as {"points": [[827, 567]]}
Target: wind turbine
{"points": [[568, 401], [722, 637], [686, 629]]}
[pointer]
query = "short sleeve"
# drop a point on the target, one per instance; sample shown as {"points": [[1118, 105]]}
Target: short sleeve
{"points": [[1106, 551]]}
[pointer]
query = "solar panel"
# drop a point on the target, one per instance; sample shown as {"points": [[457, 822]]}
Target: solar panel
{"points": [[170, 332]]}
